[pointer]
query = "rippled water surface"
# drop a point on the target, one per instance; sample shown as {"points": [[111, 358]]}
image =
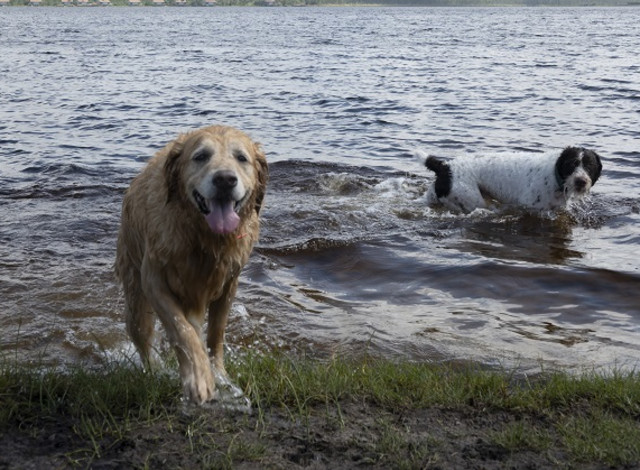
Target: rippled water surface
{"points": [[350, 258]]}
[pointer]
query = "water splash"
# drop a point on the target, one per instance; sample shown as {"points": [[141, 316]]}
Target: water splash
{"points": [[228, 395]]}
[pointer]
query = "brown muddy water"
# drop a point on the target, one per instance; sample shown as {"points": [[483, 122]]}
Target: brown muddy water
{"points": [[350, 260]]}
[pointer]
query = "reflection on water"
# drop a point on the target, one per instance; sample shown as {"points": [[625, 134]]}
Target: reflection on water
{"points": [[525, 237]]}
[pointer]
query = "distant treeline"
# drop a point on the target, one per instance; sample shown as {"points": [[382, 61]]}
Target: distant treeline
{"points": [[270, 3]]}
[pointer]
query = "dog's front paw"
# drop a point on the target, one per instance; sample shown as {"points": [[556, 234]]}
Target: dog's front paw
{"points": [[199, 386]]}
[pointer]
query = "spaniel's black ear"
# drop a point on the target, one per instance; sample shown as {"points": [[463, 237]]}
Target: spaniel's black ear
{"points": [[594, 168], [172, 169], [262, 177]]}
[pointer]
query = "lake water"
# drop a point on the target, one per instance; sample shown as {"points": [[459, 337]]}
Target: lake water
{"points": [[350, 260]]}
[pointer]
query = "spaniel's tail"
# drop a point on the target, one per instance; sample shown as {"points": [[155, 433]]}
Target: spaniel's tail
{"points": [[441, 168], [437, 165]]}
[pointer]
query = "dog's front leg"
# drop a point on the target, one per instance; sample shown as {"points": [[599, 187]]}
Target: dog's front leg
{"points": [[218, 314], [195, 369]]}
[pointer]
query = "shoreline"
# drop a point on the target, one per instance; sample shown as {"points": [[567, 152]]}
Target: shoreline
{"points": [[307, 412]]}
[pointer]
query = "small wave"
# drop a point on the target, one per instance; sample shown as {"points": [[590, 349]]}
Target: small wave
{"points": [[63, 169], [307, 176], [64, 180], [70, 192], [344, 184], [612, 93], [313, 245]]}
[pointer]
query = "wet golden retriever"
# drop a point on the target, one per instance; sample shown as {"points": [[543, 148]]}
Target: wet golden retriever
{"points": [[189, 222]]}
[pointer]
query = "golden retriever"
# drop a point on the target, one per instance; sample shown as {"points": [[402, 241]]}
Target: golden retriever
{"points": [[189, 222]]}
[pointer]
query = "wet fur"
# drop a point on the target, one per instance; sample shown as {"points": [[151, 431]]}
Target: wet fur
{"points": [[171, 264], [532, 181]]}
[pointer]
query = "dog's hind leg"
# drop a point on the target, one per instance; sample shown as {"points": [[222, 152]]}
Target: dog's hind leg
{"points": [[140, 320], [218, 314]]}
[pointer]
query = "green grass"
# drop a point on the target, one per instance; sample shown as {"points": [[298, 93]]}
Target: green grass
{"points": [[589, 418], [276, 380], [602, 437]]}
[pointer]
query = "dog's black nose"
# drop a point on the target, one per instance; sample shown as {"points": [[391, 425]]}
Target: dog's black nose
{"points": [[225, 179], [580, 183]]}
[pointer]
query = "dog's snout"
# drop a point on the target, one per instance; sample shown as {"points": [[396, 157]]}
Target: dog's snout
{"points": [[225, 179], [580, 183]]}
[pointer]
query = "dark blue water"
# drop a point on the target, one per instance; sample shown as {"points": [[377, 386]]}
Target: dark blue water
{"points": [[350, 257]]}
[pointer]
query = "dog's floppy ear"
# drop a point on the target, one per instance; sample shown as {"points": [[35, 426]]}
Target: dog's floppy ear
{"points": [[262, 177], [595, 169], [172, 170]]}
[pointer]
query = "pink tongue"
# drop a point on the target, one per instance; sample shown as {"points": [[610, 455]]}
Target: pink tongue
{"points": [[222, 218]]}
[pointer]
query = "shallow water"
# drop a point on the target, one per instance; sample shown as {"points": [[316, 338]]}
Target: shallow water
{"points": [[350, 258]]}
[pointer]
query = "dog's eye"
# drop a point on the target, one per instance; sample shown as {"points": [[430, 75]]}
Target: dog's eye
{"points": [[241, 157], [201, 155]]}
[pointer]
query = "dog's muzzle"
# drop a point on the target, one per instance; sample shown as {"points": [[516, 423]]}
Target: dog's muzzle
{"points": [[220, 211], [580, 185]]}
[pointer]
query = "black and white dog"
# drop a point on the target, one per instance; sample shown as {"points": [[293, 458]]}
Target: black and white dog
{"points": [[533, 181]]}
